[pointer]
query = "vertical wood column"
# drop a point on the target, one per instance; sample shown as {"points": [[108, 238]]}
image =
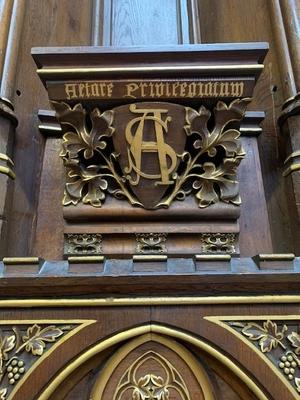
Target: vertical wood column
{"points": [[285, 16], [11, 22]]}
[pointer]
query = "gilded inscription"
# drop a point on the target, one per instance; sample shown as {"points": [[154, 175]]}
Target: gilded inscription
{"points": [[153, 89]]}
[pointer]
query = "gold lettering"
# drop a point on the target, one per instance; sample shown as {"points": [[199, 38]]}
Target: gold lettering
{"points": [[94, 90], [71, 90], [159, 89], [182, 89], [131, 87], [151, 85], [87, 90], [200, 87], [237, 89], [224, 89], [168, 93], [192, 89], [110, 87], [175, 86], [81, 88], [142, 87], [208, 90]]}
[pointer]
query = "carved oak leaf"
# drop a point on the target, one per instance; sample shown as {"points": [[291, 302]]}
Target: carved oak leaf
{"points": [[80, 178], [81, 138], [3, 393], [36, 338], [268, 335], [222, 177], [294, 338]]}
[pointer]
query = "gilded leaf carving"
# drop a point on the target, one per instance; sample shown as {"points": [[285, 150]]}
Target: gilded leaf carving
{"points": [[278, 343], [19, 349], [268, 335], [137, 386], [36, 338], [202, 161], [294, 338]]}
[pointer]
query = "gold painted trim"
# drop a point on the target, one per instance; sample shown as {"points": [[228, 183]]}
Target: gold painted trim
{"points": [[125, 335], [7, 171], [145, 301], [212, 257], [218, 320], [83, 323], [85, 259], [292, 155], [195, 367], [290, 169], [4, 157], [276, 257], [21, 260], [88, 70], [149, 257], [50, 128], [244, 129]]}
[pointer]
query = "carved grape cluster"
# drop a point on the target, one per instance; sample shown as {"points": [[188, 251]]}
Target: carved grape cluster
{"points": [[15, 370], [288, 365]]}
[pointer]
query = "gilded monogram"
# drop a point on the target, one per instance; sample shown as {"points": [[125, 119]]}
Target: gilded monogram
{"points": [[137, 146], [152, 153]]}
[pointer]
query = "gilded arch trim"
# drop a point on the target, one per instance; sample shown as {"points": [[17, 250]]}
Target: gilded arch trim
{"points": [[195, 366], [151, 328]]}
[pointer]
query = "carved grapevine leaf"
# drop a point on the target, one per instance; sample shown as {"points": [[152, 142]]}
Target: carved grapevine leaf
{"points": [[7, 343], [36, 338], [294, 338], [222, 177], [80, 178], [268, 335], [81, 138]]}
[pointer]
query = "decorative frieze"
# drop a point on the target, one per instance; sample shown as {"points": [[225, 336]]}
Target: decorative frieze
{"points": [[151, 243], [218, 242], [83, 244]]}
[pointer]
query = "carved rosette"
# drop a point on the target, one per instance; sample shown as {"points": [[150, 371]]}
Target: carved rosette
{"points": [[279, 342], [152, 153], [21, 347]]}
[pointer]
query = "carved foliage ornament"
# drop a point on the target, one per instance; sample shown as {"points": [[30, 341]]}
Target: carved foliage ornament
{"points": [[152, 153], [19, 349], [83, 243], [136, 385], [278, 342]]}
